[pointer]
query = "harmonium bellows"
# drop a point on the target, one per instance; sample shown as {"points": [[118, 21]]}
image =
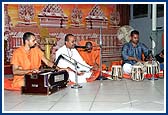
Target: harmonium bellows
{"points": [[46, 82]]}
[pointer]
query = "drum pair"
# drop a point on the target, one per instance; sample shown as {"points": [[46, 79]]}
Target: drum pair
{"points": [[139, 71], [146, 70]]}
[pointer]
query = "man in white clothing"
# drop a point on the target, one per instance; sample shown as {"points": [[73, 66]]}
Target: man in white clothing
{"points": [[71, 59]]}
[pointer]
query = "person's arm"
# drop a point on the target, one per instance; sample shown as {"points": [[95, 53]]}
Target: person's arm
{"points": [[126, 56], [96, 60], [49, 63], [133, 58], [52, 65], [16, 67], [17, 70], [80, 59], [145, 50], [124, 52]]}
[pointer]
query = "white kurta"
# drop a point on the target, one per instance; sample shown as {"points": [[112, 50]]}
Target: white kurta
{"points": [[72, 55]]}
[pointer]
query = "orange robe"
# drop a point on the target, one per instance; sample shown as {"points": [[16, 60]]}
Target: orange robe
{"points": [[92, 57], [31, 60]]}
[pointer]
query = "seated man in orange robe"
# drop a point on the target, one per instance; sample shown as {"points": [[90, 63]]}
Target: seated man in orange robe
{"points": [[91, 54], [26, 59]]}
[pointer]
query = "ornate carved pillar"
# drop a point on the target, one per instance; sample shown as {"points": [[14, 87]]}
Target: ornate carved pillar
{"points": [[49, 42]]}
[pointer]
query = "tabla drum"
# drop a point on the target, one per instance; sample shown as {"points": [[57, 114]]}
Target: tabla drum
{"points": [[116, 72], [152, 68], [137, 73]]}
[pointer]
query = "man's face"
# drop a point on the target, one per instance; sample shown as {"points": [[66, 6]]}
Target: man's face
{"points": [[32, 42], [88, 47], [71, 42], [135, 38]]}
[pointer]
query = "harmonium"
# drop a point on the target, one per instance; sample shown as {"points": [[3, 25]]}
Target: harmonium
{"points": [[46, 82]]}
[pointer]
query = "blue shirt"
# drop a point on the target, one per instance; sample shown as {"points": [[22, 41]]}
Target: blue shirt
{"points": [[129, 50]]}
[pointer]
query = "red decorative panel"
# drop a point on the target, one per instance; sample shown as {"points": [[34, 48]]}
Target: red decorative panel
{"points": [[62, 19]]}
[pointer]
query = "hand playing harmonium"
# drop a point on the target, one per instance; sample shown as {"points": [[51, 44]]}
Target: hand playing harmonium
{"points": [[35, 71]]}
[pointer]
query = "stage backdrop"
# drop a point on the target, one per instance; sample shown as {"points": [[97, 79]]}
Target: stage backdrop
{"points": [[51, 22]]}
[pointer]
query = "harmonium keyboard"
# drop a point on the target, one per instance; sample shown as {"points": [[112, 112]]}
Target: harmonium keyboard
{"points": [[46, 82]]}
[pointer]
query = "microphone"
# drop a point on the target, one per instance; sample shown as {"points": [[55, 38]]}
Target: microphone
{"points": [[76, 62], [67, 59], [80, 46]]}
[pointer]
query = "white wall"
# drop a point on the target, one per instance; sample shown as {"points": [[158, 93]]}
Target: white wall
{"points": [[144, 26]]}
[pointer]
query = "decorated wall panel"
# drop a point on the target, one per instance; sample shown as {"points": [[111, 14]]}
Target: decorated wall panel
{"points": [[56, 20]]}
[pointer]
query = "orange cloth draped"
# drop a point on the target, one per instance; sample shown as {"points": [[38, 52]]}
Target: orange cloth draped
{"points": [[25, 61], [104, 67], [92, 57]]}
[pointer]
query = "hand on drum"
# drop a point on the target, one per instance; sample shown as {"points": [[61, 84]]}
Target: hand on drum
{"points": [[149, 58], [149, 62], [137, 60]]}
